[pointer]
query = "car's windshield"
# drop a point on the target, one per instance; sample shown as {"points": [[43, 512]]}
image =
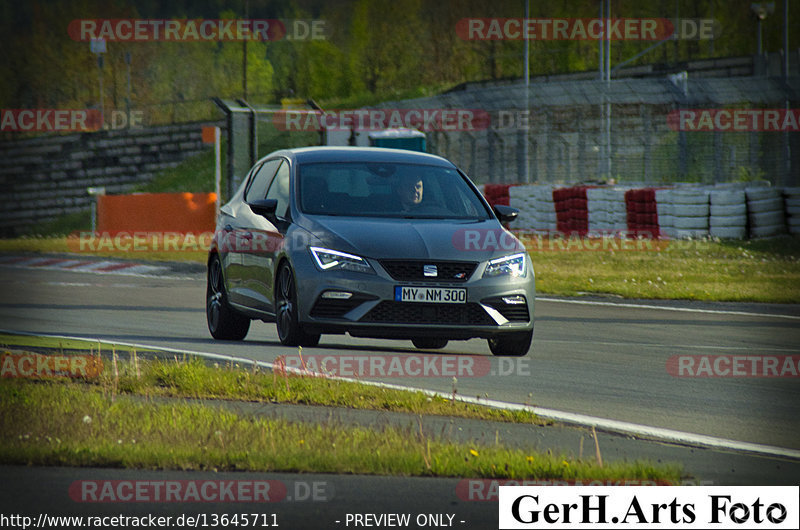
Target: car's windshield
{"points": [[365, 189]]}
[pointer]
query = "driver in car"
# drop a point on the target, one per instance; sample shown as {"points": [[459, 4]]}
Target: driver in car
{"points": [[409, 190]]}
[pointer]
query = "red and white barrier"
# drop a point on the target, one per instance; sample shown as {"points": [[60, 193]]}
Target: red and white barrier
{"points": [[727, 211]]}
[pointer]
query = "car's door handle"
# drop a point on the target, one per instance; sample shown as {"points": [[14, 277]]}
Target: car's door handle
{"points": [[228, 228]]}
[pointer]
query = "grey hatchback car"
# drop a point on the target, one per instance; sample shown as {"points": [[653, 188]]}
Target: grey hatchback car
{"points": [[380, 243]]}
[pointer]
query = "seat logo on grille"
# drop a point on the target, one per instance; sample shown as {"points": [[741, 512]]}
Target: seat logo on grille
{"points": [[430, 271]]}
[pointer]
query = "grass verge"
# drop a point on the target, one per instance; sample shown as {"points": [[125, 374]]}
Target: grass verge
{"points": [[75, 424]]}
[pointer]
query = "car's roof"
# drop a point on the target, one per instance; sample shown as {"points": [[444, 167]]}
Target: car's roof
{"points": [[306, 155]]}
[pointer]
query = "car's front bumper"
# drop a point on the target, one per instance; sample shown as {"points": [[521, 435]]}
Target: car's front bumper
{"points": [[372, 311]]}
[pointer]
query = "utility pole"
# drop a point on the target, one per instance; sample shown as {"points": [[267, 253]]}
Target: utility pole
{"points": [[527, 175], [98, 47], [128, 96], [244, 54]]}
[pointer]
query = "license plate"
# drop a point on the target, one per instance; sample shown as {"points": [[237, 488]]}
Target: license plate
{"points": [[437, 295]]}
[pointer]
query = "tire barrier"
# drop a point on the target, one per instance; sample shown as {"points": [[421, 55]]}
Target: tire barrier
{"points": [[536, 208], [523, 199], [664, 209], [572, 215], [728, 214], [496, 193], [765, 211], [791, 197], [642, 212], [606, 210], [725, 211], [690, 211]]}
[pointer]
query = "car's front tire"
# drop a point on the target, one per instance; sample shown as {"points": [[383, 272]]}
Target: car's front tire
{"points": [[511, 344], [290, 332], [224, 322]]}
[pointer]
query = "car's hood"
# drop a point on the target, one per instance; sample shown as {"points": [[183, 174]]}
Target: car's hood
{"points": [[414, 238]]}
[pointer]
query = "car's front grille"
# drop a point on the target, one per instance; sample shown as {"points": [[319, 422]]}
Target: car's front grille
{"points": [[511, 312], [335, 308], [389, 312], [414, 270]]}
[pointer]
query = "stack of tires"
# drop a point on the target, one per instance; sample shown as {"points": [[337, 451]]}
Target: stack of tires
{"points": [[728, 214], [690, 209], [597, 210], [642, 212], [571, 210], [664, 209], [606, 210], [791, 197], [496, 193], [523, 199], [765, 212], [544, 209]]}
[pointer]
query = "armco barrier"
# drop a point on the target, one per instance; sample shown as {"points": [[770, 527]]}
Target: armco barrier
{"points": [[157, 212]]}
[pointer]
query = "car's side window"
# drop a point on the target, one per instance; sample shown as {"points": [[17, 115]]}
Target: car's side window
{"points": [[279, 190], [259, 182]]}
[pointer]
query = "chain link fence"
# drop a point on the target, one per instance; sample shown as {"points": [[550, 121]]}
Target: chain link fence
{"points": [[629, 131]]}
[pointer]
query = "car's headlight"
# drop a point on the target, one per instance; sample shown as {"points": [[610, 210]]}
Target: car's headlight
{"points": [[513, 265], [328, 260]]}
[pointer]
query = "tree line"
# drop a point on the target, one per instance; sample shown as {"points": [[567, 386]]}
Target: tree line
{"points": [[373, 49]]}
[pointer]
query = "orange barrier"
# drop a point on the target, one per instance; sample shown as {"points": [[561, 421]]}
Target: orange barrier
{"points": [[157, 212]]}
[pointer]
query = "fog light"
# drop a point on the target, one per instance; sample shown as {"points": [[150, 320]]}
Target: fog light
{"points": [[337, 295], [514, 300]]}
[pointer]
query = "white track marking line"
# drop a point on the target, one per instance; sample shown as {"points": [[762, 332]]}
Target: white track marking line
{"points": [[666, 308], [614, 426], [670, 346]]}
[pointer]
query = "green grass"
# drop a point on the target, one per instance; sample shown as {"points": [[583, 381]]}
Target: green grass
{"points": [[739, 271], [194, 175], [74, 424]]}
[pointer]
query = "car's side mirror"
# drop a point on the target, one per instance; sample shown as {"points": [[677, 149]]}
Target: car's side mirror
{"points": [[506, 214], [264, 207]]}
